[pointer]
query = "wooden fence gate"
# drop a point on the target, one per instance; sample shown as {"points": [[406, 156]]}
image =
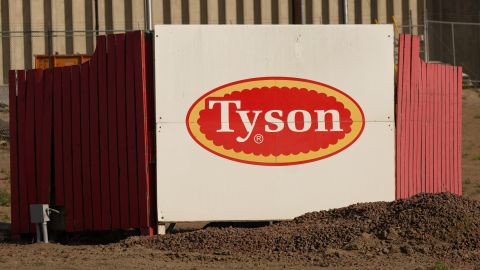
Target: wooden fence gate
{"points": [[82, 138]]}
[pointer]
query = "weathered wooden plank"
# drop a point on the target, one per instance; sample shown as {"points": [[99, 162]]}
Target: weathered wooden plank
{"points": [[13, 126]]}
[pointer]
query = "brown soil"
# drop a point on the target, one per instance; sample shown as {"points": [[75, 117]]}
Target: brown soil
{"points": [[471, 143], [406, 234], [424, 232]]}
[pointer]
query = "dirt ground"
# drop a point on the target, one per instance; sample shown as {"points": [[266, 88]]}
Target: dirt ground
{"points": [[4, 169], [471, 143], [426, 232]]}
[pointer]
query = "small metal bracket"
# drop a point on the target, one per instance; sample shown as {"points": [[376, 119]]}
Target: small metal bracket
{"points": [[40, 215]]}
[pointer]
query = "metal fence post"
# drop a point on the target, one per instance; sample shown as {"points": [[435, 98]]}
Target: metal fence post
{"points": [[425, 30], [453, 44]]}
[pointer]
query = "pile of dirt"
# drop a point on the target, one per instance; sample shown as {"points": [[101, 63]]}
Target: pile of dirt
{"points": [[437, 225]]}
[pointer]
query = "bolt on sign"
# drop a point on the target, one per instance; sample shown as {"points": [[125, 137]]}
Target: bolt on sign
{"points": [[270, 122]]}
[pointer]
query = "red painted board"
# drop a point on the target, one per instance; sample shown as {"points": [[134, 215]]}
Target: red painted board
{"points": [[142, 132], [441, 150], [426, 119], [425, 124], [444, 131], [38, 127], [459, 128], [454, 131], [435, 132], [399, 117], [130, 54], [67, 148], [46, 142], [421, 128], [122, 131], [456, 155], [429, 127], [449, 129], [149, 65], [406, 134], [453, 119], [58, 137], [151, 128], [77, 150], [112, 132], [103, 128], [85, 142], [438, 156], [14, 181], [95, 144], [414, 168], [22, 157], [30, 176]]}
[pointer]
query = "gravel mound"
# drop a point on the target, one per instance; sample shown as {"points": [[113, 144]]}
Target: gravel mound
{"points": [[429, 224]]}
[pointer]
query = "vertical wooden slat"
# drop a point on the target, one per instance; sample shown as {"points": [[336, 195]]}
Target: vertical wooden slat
{"points": [[122, 132], [150, 73], [85, 141], [452, 117], [141, 120], [400, 118], [449, 129], [131, 130], [406, 96], [103, 126], [440, 127], [422, 126], [67, 148], [58, 136], [76, 150], [426, 125], [429, 143], [94, 143], [22, 157], [454, 130], [14, 181], [443, 128], [46, 143], [437, 130], [112, 132], [30, 177], [459, 129], [415, 158], [38, 127]]}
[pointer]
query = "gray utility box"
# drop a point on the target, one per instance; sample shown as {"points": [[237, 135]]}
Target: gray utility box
{"points": [[39, 213]]}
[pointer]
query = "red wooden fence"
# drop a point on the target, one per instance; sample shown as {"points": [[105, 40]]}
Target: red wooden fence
{"points": [[428, 122], [81, 138]]}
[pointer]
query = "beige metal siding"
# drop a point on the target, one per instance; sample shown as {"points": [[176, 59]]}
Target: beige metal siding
{"points": [[121, 15]]}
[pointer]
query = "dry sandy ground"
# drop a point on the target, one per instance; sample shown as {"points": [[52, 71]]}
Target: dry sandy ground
{"points": [[57, 256], [471, 143]]}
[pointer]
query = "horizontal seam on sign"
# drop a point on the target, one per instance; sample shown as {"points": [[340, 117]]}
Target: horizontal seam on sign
{"points": [[355, 121]]}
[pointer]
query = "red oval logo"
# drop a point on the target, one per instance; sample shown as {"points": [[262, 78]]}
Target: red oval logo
{"points": [[275, 121]]}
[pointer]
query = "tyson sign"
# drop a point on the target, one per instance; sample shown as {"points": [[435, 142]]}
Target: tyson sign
{"points": [[275, 121]]}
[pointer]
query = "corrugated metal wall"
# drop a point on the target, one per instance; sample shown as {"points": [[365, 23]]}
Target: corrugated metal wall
{"points": [[31, 27]]}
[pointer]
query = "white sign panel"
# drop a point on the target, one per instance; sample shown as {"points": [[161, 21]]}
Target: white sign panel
{"points": [[270, 122]]}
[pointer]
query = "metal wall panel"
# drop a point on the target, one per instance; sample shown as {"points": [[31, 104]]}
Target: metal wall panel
{"points": [[194, 184]]}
